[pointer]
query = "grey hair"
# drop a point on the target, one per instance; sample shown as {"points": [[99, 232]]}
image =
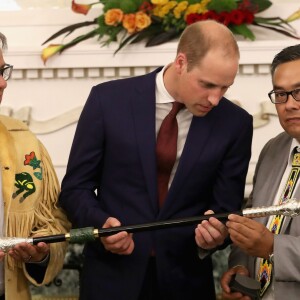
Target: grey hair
{"points": [[3, 41]]}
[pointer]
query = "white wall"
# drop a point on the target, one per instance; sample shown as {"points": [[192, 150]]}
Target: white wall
{"points": [[59, 89]]}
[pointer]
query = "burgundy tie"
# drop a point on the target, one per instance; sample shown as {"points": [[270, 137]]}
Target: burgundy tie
{"points": [[166, 150]]}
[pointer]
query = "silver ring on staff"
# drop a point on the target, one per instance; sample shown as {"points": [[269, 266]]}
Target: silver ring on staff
{"points": [[28, 259]]}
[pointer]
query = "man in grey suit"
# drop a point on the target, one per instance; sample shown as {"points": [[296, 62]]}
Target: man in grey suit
{"points": [[255, 240]]}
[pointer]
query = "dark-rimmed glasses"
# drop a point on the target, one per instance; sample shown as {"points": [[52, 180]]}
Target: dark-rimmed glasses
{"points": [[278, 97], [6, 71]]}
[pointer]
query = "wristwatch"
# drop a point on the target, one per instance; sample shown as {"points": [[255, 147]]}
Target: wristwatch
{"points": [[271, 258]]}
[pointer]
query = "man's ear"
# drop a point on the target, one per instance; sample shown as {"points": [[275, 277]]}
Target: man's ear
{"points": [[180, 63]]}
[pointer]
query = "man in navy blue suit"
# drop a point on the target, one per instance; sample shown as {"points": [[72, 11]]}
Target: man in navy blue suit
{"points": [[111, 178]]}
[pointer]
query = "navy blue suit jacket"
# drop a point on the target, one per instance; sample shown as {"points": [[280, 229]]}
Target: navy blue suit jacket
{"points": [[112, 172]]}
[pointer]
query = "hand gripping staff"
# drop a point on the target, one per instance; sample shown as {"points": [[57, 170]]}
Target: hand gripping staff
{"points": [[290, 208]]}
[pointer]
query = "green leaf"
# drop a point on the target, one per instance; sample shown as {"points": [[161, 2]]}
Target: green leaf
{"points": [[162, 37], [126, 41], [219, 6], [104, 2], [242, 30], [276, 21], [69, 29], [147, 33], [280, 30], [111, 4], [38, 175], [128, 6], [140, 2], [261, 5], [156, 19], [79, 39]]}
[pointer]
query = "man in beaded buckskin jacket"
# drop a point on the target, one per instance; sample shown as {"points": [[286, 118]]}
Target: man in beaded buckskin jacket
{"points": [[28, 196]]}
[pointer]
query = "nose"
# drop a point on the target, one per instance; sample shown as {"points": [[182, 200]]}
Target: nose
{"points": [[292, 103], [3, 83], [214, 98]]}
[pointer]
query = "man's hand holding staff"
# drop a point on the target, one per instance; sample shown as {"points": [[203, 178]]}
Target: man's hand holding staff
{"points": [[82, 235]]}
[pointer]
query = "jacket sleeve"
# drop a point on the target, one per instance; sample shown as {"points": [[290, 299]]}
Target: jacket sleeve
{"points": [[49, 220]]}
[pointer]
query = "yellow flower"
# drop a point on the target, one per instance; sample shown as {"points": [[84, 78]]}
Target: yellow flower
{"points": [[81, 8], [160, 11], [193, 9], [163, 10], [113, 17], [142, 21], [203, 5], [159, 2], [129, 23], [50, 51], [294, 16], [171, 4], [181, 7], [199, 8]]}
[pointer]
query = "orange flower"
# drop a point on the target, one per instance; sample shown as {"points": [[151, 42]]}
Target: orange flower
{"points": [[81, 8], [113, 16], [142, 21], [50, 51], [129, 23]]}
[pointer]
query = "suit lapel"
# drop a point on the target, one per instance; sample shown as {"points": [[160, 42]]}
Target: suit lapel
{"points": [[269, 187], [198, 134], [196, 140], [143, 107]]}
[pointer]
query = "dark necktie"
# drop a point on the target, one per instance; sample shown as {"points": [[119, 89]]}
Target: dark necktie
{"points": [[166, 150]]}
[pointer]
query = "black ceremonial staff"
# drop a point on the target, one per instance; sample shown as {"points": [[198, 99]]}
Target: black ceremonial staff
{"points": [[82, 235]]}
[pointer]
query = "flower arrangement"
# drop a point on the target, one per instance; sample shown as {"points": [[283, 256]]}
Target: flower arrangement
{"points": [[159, 21]]}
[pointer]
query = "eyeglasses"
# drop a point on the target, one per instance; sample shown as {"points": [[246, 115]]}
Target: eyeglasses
{"points": [[278, 97], [6, 71]]}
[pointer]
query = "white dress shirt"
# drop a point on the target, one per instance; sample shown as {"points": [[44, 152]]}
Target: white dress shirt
{"points": [[163, 106]]}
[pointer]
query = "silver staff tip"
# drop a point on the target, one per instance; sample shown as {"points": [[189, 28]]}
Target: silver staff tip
{"points": [[291, 208], [7, 243]]}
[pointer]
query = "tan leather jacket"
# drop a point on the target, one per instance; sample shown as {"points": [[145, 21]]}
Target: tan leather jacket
{"points": [[30, 192]]}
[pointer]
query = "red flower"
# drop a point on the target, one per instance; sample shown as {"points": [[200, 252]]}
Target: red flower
{"points": [[224, 18], [29, 158], [192, 18], [249, 6], [248, 17], [210, 15], [236, 17], [146, 7]]}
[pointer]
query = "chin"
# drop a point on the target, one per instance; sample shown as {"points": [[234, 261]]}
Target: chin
{"points": [[294, 133], [200, 113]]}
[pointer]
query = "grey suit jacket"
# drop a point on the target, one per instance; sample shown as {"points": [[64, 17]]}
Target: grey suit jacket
{"points": [[269, 170]]}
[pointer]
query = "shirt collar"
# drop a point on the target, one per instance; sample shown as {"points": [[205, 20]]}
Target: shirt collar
{"points": [[163, 95]]}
